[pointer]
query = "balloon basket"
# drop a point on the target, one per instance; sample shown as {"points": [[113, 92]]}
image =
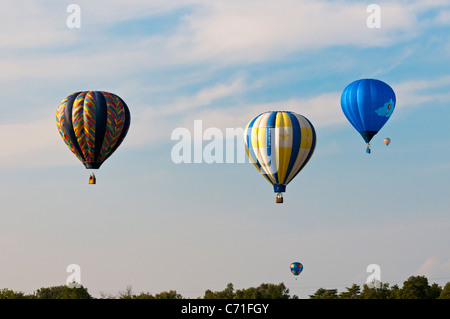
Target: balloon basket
{"points": [[92, 179], [279, 198]]}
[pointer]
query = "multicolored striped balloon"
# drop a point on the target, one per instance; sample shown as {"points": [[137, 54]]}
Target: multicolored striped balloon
{"points": [[280, 144], [93, 124], [296, 268]]}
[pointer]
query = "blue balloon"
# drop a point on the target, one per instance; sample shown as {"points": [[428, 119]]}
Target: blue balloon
{"points": [[368, 104]]}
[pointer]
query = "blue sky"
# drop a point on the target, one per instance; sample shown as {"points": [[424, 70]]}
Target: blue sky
{"points": [[155, 225]]}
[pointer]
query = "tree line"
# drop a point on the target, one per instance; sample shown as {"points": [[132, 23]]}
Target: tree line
{"points": [[415, 287]]}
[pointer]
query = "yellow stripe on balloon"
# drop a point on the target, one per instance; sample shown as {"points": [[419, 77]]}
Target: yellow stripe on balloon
{"points": [[283, 147], [307, 138]]}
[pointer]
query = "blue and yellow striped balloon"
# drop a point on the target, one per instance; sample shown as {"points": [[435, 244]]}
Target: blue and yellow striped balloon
{"points": [[280, 144]]}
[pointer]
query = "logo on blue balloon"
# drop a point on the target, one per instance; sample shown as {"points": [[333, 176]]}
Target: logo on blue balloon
{"points": [[386, 109]]}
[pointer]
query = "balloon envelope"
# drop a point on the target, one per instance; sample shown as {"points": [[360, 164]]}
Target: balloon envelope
{"points": [[368, 104], [296, 268], [387, 141], [280, 144], [93, 124]]}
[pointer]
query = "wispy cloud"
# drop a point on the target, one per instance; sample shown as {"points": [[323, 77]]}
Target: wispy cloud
{"points": [[204, 97], [222, 32], [32, 25], [418, 92], [443, 17], [240, 31], [434, 267]]}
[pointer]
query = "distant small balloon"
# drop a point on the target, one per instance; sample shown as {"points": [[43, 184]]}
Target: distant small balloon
{"points": [[387, 141], [296, 268]]}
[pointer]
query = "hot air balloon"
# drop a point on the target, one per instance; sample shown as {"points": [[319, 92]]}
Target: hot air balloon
{"points": [[368, 104], [387, 141], [280, 144], [296, 268], [93, 124]]}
